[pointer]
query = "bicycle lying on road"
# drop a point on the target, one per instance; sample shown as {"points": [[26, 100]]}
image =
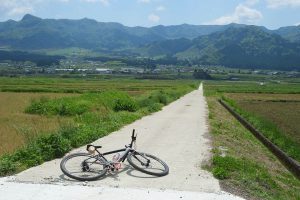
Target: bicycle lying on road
{"points": [[93, 165]]}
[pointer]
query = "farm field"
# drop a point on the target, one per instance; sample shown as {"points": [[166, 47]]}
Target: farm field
{"points": [[218, 87], [280, 109], [82, 85], [244, 165], [46, 117], [17, 127]]}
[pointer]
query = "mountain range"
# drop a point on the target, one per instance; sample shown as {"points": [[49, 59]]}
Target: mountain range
{"points": [[234, 45], [244, 47]]}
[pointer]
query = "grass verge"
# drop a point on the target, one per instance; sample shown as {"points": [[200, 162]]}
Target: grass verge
{"points": [[244, 166], [269, 129]]}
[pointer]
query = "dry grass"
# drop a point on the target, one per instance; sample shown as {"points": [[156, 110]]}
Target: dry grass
{"points": [[16, 127], [286, 115]]}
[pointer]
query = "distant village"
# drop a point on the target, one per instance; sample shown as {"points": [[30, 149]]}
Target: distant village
{"points": [[86, 67], [89, 67]]}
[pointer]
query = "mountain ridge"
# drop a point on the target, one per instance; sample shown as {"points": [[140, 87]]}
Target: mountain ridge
{"points": [[28, 33], [245, 47], [229, 45]]}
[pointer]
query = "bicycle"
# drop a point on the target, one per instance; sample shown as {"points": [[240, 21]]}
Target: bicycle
{"points": [[93, 165]]}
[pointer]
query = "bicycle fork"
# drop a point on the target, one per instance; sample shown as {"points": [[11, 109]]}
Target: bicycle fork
{"points": [[142, 163]]}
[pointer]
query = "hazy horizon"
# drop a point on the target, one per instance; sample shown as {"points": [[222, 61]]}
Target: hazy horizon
{"points": [[143, 26], [271, 14]]}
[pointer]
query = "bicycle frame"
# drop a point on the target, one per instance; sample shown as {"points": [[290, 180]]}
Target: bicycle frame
{"points": [[128, 149], [93, 165]]}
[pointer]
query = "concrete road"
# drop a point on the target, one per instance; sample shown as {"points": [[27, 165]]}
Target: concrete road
{"points": [[178, 135], [22, 191]]}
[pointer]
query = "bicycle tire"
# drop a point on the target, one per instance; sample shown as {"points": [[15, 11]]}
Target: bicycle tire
{"points": [[132, 159], [94, 175]]}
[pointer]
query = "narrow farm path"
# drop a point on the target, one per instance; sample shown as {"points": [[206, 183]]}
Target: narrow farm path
{"points": [[178, 135]]}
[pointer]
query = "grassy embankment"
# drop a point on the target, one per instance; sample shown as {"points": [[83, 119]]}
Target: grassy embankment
{"points": [[277, 118], [92, 115], [240, 161]]}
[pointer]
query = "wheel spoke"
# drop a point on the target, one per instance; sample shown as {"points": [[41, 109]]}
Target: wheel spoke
{"points": [[148, 164], [83, 167]]}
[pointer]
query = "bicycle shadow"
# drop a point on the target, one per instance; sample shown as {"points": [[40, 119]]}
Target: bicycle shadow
{"points": [[64, 177], [128, 169]]}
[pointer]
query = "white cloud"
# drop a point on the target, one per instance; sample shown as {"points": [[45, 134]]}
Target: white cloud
{"points": [[252, 2], [160, 8], [153, 18], [14, 8], [297, 24], [143, 1], [17, 11], [241, 14], [17, 8], [103, 2], [282, 3]]}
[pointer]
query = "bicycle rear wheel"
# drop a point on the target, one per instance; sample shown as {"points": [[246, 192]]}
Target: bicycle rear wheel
{"points": [[83, 167], [148, 164]]}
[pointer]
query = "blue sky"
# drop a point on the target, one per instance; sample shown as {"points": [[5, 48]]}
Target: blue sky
{"points": [[269, 13]]}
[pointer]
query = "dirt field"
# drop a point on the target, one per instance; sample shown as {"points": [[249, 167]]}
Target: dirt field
{"points": [[281, 109], [264, 97]]}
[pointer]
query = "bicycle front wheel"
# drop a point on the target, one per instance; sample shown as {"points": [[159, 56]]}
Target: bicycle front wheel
{"points": [[83, 167], [148, 164]]}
